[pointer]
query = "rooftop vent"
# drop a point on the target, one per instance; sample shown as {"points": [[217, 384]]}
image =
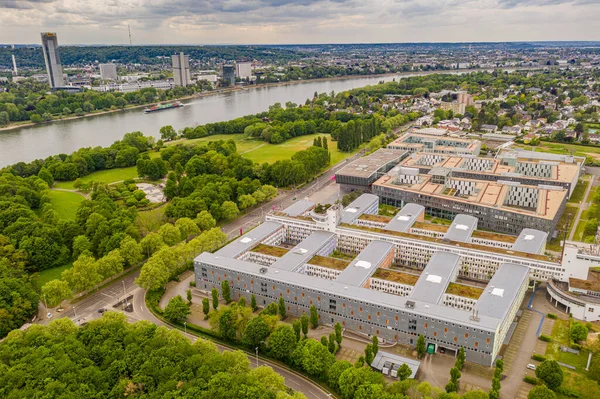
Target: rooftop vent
{"points": [[410, 304], [363, 263], [529, 237], [404, 218], [352, 210], [461, 227], [432, 278], [300, 251], [498, 292], [263, 270], [246, 240]]}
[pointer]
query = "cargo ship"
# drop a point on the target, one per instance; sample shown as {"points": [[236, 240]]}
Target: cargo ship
{"points": [[161, 107]]}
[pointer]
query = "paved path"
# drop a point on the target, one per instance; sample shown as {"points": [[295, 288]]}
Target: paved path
{"points": [[582, 206]]}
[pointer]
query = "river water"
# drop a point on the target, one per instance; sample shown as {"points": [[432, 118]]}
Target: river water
{"points": [[29, 143]]}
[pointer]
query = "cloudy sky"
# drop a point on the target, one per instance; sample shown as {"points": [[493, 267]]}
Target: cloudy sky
{"points": [[298, 21]]}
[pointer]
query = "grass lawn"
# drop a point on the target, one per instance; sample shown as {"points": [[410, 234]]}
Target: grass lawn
{"points": [[105, 176], [562, 148], [579, 191], [261, 151], [148, 221], [65, 203], [52, 274], [565, 222]]}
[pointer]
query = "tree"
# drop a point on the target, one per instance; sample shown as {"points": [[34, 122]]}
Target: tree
{"points": [[369, 354], [256, 332], [83, 275], [420, 346], [205, 307], [253, 304], [167, 133], [46, 176], [226, 291], [229, 210], [170, 234], [338, 334], [331, 344], [550, 373], [187, 227], [313, 357], [242, 302], [282, 342], [177, 310], [110, 264], [460, 358], [56, 291], [404, 372], [271, 309], [579, 332], [353, 378], [171, 189], [297, 326], [215, 298], [304, 322], [151, 243], [81, 244], [188, 295], [541, 392], [452, 385], [131, 251], [324, 341], [314, 317], [335, 371], [375, 344], [205, 221], [282, 311]]}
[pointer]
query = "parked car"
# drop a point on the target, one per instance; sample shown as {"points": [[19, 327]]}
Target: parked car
{"points": [[531, 366], [101, 310]]}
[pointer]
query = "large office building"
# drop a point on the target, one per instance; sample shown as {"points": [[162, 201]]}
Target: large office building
{"points": [[108, 71], [418, 142], [456, 285], [181, 69], [243, 70], [361, 173], [52, 59], [229, 74]]}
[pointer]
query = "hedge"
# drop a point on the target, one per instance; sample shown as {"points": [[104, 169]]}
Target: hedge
{"points": [[537, 357], [552, 316], [530, 380], [545, 338]]}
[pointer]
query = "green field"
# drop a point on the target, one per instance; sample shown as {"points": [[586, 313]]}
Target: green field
{"points": [[261, 151], [579, 191], [52, 274], [65, 203], [105, 176]]}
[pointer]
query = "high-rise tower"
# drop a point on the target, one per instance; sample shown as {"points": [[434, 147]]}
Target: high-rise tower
{"points": [[52, 59], [181, 69]]}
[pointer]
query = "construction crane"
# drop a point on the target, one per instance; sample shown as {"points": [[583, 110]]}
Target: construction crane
{"points": [[129, 28]]}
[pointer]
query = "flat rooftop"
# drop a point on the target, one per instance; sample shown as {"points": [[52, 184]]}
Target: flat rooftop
{"points": [[466, 291], [407, 216], [384, 357], [270, 250], [299, 207], [502, 290], [433, 282], [304, 251], [561, 171], [329, 262], [365, 264], [588, 285], [461, 229], [531, 241], [415, 142], [366, 166], [249, 240], [357, 207], [483, 193], [396, 276]]}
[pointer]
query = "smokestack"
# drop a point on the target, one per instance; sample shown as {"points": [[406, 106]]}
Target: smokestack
{"points": [[15, 72]]}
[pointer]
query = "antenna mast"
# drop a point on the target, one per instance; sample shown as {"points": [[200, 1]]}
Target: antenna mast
{"points": [[129, 28]]}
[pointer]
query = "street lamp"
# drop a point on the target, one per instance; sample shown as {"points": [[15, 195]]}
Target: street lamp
{"points": [[256, 349], [74, 311], [123, 281]]}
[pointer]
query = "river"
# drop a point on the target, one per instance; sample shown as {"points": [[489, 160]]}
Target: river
{"points": [[40, 141]]}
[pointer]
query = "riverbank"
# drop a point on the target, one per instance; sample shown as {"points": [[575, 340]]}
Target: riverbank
{"points": [[19, 125]]}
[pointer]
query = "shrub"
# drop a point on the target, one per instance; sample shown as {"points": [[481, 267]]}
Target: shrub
{"points": [[545, 338], [530, 380], [552, 316], [537, 357]]}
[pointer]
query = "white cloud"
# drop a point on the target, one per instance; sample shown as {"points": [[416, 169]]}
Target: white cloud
{"points": [[298, 21]]}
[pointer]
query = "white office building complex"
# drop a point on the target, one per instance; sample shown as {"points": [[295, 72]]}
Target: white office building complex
{"points": [[108, 71], [52, 59], [181, 69], [243, 70]]}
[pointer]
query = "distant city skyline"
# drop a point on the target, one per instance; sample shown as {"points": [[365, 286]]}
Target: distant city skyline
{"points": [[299, 21]]}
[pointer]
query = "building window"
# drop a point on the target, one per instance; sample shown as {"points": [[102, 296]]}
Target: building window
{"points": [[445, 330]]}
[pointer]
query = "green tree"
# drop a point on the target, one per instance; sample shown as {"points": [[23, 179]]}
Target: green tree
{"points": [[229, 210], [226, 291], [353, 378], [338, 333], [205, 307], [282, 310], [335, 371], [177, 310], [324, 341], [253, 304], [314, 317], [541, 392], [187, 227], [56, 291], [81, 244], [205, 221], [188, 295], [167, 133], [314, 358], [282, 342], [215, 298], [242, 302], [170, 234], [375, 344], [579, 332], [256, 332], [550, 373], [297, 326], [131, 251], [369, 354], [420, 346], [331, 344], [404, 372], [46, 176], [452, 385], [460, 358], [83, 275], [304, 322]]}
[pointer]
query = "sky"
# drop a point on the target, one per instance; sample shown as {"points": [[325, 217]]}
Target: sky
{"points": [[297, 21]]}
